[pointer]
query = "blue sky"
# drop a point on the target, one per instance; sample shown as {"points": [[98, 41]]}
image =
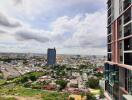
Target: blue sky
{"points": [[71, 26]]}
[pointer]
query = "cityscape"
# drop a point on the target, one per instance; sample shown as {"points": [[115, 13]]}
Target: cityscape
{"points": [[72, 50], [66, 74]]}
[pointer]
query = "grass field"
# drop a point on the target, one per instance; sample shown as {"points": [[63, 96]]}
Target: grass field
{"points": [[27, 92]]}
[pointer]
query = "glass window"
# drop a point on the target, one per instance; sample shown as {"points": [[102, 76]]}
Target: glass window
{"points": [[109, 38], [109, 29], [109, 12], [127, 16], [128, 58], [109, 56], [128, 30], [109, 3], [127, 3], [109, 20], [121, 51], [109, 47], [128, 44]]}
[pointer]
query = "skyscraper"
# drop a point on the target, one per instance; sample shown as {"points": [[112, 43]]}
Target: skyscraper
{"points": [[51, 56], [118, 68]]}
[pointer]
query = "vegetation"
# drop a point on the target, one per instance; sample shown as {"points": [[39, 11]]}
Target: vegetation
{"points": [[1, 75], [27, 92], [99, 75], [29, 76], [7, 98], [71, 98], [60, 70], [54, 96], [21, 86], [61, 83], [92, 83], [90, 96], [102, 93], [2, 81], [89, 65]]}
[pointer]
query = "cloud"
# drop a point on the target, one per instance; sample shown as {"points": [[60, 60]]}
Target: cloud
{"points": [[17, 2], [74, 26], [8, 22], [87, 30], [25, 35], [21, 31], [2, 32], [51, 9]]}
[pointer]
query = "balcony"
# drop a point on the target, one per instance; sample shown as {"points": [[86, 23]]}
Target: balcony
{"points": [[128, 44], [109, 12], [127, 3], [109, 47], [127, 16], [128, 58], [109, 39], [128, 30], [109, 4], [109, 21], [109, 57], [109, 29]]}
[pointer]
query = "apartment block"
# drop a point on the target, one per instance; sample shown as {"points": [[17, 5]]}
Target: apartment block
{"points": [[51, 56], [118, 67]]}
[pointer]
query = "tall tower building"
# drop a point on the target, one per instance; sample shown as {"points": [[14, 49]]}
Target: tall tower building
{"points": [[51, 56], [118, 67]]}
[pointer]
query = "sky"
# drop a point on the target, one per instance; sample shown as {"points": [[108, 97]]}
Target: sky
{"points": [[70, 26]]}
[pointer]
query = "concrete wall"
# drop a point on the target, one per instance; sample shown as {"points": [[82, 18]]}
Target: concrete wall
{"points": [[116, 9]]}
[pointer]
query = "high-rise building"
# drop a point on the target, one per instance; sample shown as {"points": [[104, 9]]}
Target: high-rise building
{"points": [[51, 56], [118, 67]]}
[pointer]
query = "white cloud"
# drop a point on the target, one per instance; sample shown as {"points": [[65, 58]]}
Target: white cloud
{"points": [[85, 31], [82, 33], [30, 9], [21, 31], [88, 31]]}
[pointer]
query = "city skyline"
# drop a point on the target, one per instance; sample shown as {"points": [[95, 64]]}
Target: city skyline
{"points": [[72, 27]]}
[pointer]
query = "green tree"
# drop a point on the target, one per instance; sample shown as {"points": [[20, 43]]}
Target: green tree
{"points": [[24, 79], [92, 83], [27, 84], [90, 96], [63, 73], [62, 83], [32, 78]]}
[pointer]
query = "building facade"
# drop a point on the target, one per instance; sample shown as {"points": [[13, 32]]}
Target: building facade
{"points": [[51, 56], [118, 67]]}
